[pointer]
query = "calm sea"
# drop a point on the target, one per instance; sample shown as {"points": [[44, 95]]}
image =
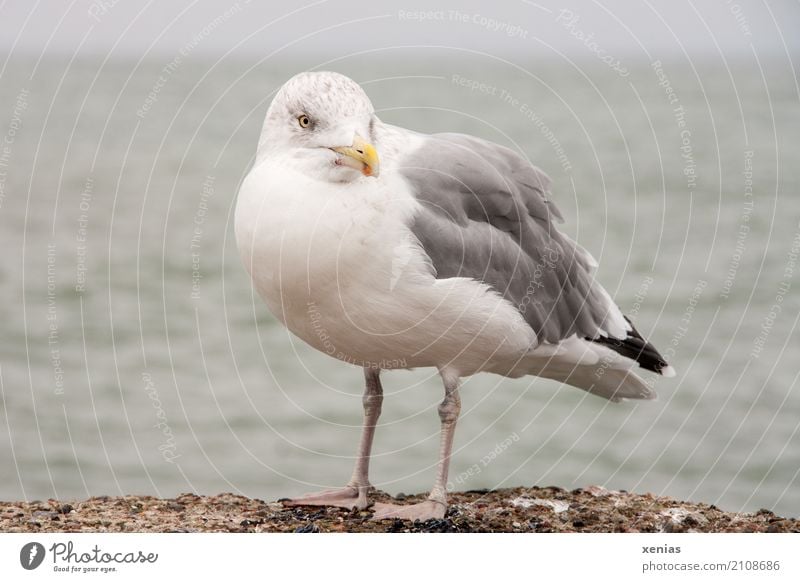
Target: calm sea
{"points": [[134, 357]]}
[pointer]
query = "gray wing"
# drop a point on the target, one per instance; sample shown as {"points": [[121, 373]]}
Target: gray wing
{"points": [[486, 215]]}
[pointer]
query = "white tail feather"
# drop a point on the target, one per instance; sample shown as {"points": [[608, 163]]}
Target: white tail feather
{"points": [[591, 367], [611, 383]]}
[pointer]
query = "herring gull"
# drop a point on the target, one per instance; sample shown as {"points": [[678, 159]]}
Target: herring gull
{"points": [[445, 254]]}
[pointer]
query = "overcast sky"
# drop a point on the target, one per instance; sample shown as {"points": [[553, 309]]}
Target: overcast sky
{"points": [[650, 28]]}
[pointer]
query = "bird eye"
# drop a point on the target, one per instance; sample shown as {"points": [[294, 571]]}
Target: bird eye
{"points": [[304, 121]]}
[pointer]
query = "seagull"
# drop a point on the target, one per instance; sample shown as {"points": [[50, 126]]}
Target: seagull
{"points": [[391, 249]]}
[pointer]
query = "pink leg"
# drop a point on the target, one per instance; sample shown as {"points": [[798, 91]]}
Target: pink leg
{"points": [[435, 506], [354, 494]]}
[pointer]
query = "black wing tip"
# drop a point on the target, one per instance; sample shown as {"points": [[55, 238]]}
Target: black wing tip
{"points": [[636, 348]]}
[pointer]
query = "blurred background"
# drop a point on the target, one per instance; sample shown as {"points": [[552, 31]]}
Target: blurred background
{"points": [[135, 358]]}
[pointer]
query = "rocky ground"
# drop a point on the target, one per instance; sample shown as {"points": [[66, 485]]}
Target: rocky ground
{"points": [[535, 509]]}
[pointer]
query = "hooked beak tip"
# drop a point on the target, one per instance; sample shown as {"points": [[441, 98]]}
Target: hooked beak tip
{"points": [[361, 155]]}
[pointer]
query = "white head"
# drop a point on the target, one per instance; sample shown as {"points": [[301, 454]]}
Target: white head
{"points": [[321, 123]]}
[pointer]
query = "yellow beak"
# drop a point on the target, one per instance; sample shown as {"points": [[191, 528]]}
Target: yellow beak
{"points": [[360, 156]]}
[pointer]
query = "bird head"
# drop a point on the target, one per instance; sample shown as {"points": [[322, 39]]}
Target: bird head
{"points": [[321, 124]]}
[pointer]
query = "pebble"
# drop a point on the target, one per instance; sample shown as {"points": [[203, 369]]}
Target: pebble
{"points": [[45, 515], [489, 512]]}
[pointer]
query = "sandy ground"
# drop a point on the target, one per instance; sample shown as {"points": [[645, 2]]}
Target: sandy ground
{"points": [[535, 509]]}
